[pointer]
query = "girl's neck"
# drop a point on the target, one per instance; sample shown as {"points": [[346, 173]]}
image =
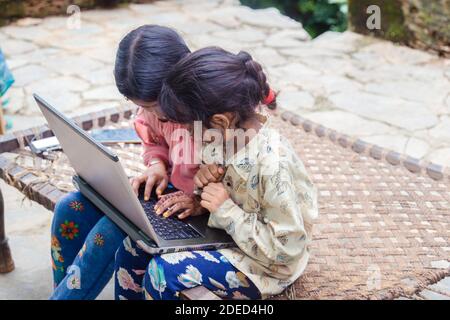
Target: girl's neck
{"points": [[253, 124]]}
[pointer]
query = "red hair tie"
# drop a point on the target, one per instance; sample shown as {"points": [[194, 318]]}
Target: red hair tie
{"points": [[270, 97]]}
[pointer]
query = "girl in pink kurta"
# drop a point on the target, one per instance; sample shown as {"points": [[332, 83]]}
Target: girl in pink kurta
{"points": [[83, 240]]}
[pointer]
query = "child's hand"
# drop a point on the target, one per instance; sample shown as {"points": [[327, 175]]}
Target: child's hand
{"points": [[156, 175], [178, 202], [213, 196], [208, 173]]}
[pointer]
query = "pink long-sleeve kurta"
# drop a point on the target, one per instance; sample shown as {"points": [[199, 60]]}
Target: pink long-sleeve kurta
{"points": [[171, 143]]}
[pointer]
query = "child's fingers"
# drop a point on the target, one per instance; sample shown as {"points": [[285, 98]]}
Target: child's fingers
{"points": [[148, 188], [161, 187], [202, 178], [167, 197], [162, 208], [206, 204], [216, 171], [169, 203], [198, 183], [175, 208], [213, 187], [186, 213], [209, 174], [208, 196], [136, 183]]}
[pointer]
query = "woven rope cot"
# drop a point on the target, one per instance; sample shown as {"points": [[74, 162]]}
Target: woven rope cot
{"points": [[384, 218]]}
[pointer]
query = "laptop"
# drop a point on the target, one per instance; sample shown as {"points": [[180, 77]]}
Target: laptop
{"points": [[102, 179]]}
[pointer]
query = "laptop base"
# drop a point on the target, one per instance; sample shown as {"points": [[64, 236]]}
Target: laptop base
{"points": [[144, 241]]}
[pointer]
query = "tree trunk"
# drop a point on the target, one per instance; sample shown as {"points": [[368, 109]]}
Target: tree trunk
{"points": [[423, 24]]}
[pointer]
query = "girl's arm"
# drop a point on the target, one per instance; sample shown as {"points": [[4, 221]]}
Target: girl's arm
{"points": [[278, 234], [155, 147]]}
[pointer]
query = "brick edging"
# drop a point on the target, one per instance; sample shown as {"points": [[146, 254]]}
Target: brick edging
{"points": [[414, 165], [10, 141]]}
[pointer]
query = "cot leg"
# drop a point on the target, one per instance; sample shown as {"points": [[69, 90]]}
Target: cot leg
{"points": [[6, 261]]}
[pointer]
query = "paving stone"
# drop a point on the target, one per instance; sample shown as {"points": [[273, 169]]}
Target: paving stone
{"points": [[105, 54], [103, 93], [3, 37], [431, 295], [29, 73], [170, 19], [21, 122], [34, 57], [146, 9], [202, 27], [268, 18], [54, 23], [294, 73], [16, 98], [26, 33], [348, 123], [440, 156], [417, 148], [72, 64], [345, 42], [413, 90], [442, 286], [63, 100], [242, 35], [27, 22], [442, 130], [102, 16], [287, 38], [306, 50], [58, 84], [14, 47], [96, 106], [295, 100], [428, 76], [199, 41], [104, 76], [335, 83], [386, 109], [403, 298], [220, 17], [397, 54], [440, 264], [267, 56], [228, 16], [77, 42]]}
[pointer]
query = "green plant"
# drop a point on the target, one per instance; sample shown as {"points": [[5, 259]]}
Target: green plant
{"points": [[317, 16]]}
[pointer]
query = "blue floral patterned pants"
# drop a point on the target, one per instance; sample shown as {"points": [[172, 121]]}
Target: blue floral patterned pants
{"points": [[141, 276], [83, 244], [86, 247]]}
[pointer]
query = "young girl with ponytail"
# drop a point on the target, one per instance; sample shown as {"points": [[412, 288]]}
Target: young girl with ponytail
{"points": [[252, 183]]}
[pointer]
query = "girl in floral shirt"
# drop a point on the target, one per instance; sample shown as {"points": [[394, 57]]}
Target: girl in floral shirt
{"points": [[265, 202]]}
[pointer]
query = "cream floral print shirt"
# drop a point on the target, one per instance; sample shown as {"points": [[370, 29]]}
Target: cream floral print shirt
{"points": [[270, 211]]}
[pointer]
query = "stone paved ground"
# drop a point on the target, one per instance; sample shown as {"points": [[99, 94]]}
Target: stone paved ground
{"points": [[389, 95], [393, 96]]}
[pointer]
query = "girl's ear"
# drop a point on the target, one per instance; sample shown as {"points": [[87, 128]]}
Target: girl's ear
{"points": [[221, 121]]}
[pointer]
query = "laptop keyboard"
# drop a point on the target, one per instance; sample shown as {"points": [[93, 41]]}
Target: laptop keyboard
{"points": [[170, 228]]}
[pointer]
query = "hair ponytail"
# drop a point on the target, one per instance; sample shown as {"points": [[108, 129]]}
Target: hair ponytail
{"points": [[254, 70]]}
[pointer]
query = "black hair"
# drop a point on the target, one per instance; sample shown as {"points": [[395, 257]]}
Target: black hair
{"points": [[144, 57], [210, 81]]}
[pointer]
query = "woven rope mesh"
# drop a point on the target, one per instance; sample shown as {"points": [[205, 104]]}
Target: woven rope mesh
{"points": [[382, 231]]}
